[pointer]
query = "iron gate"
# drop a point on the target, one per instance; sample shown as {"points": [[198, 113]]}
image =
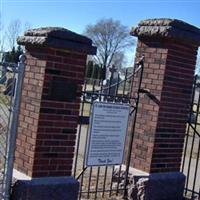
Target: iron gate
{"points": [[191, 155], [105, 181], [11, 76]]}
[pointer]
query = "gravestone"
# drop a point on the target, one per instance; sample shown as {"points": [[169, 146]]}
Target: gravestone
{"points": [[110, 84]]}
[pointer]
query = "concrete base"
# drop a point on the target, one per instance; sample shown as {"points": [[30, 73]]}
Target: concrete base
{"points": [[51, 188], [158, 186]]}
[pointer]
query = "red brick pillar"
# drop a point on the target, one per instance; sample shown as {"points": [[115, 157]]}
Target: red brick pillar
{"points": [[170, 50], [54, 74]]}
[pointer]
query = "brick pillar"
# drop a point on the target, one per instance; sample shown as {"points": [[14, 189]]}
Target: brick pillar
{"points": [[54, 74], [170, 50]]}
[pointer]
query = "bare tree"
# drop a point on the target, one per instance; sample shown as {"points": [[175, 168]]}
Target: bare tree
{"points": [[13, 31], [197, 70], [26, 26], [1, 34], [111, 39], [119, 60]]}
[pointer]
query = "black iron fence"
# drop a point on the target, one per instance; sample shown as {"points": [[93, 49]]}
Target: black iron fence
{"points": [[105, 181], [191, 154]]}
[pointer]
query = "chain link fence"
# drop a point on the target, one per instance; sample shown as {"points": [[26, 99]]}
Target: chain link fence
{"points": [[11, 77]]}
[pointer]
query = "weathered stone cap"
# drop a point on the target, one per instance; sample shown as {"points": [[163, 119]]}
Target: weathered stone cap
{"points": [[167, 28], [57, 37]]}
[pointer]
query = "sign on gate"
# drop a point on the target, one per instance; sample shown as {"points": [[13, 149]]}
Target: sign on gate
{"points": [[107, 132]]}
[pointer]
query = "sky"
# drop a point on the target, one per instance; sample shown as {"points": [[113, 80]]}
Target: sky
{"points": [[76, 14]]}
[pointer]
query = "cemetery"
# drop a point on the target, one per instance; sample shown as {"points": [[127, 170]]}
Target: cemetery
{"points": [[66, 137]]}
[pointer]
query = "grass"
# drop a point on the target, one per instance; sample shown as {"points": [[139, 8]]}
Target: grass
{"points": [[5, 100]]}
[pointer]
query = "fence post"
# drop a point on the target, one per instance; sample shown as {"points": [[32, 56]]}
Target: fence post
{"points": [[170, 50], [13, 127], [49, 110]]}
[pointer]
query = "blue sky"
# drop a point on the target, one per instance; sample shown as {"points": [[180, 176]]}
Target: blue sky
{"points": [[76, 14]]}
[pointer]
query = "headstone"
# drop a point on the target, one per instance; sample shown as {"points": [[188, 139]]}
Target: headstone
{"points": [[110, 84]]}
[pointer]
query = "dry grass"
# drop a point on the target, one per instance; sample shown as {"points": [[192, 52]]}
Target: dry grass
{"points": [[5, 100]]}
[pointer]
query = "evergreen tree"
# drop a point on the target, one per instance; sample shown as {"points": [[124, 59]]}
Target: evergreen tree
{"points": [[13, 56], [18, 53], [100, 73], [95, 71], [89, 69]]}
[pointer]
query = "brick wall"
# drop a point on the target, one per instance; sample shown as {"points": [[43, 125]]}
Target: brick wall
{"points": [[174, 107], [49, 124], [29, 113], [160, 125]]}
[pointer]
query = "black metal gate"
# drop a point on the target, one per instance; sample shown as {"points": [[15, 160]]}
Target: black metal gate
{"points": [[105, 181], [191, 155]]}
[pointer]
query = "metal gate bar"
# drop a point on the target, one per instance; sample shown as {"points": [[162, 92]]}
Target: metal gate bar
{"points": [[99, 181], [140, 63], [191, 155]]}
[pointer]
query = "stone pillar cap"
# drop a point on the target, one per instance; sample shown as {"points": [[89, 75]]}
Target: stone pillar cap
{"points": [[58, 38], [167, 28]]}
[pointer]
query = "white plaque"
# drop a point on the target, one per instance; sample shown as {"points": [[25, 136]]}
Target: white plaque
{"points": [[107, 132]]}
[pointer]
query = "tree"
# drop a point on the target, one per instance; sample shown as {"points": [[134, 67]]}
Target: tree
{"points": [[2, 36], [95, 71], [13, 56], [111, 39], [13, 31], [99, 73], [197, 71], [89, 69], [26, 26], [118, 60]]}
